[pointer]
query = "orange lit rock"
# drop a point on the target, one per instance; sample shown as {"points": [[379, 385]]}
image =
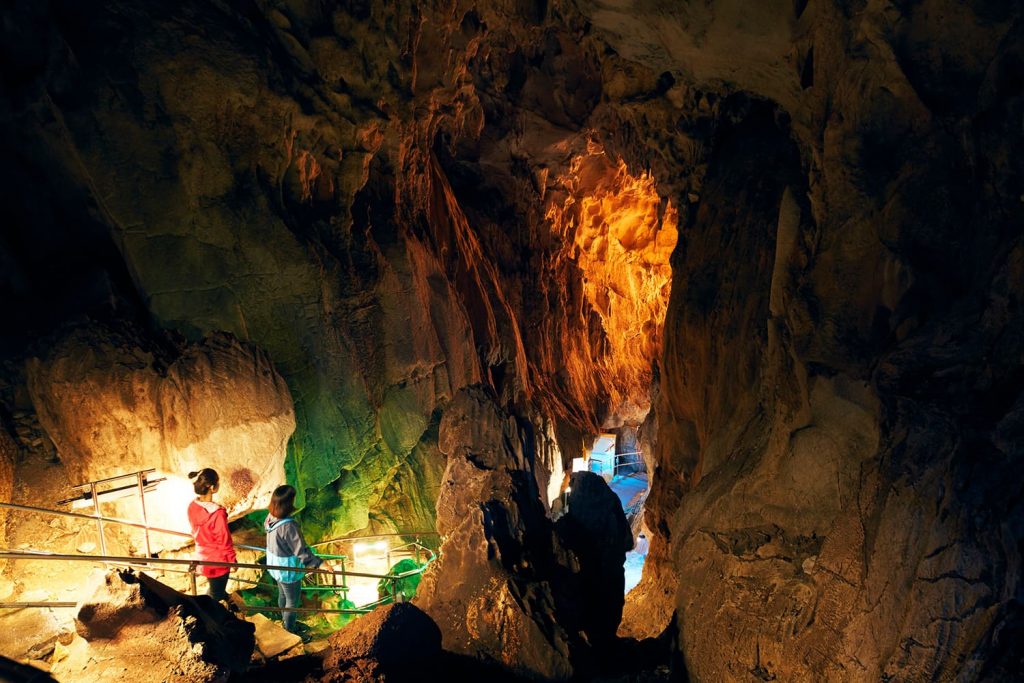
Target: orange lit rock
{"points": [[8, 453], [113, 407], [836, 489], [135, 627], [617, 237]]}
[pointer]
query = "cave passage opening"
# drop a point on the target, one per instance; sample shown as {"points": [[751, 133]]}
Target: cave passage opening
{"points": [[616, 458], [618, 235]]}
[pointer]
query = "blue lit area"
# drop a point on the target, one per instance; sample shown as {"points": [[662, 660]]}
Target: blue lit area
{"points": [[626, 474]]}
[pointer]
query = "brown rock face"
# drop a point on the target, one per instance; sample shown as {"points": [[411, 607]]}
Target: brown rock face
{"points": [[617, 239], [395, 642], [111, 406], [114, 603], [491, 590], [833, 498], [135, 623], [398, 201], [8, 452]]}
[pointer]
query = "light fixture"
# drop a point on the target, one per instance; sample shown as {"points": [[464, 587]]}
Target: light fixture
{"points": [[362, 593], [85, 499], [369, 549]]}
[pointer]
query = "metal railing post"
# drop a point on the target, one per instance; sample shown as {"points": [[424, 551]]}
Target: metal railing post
{"points": [[192, 578], [99, 518], [145, 519]]}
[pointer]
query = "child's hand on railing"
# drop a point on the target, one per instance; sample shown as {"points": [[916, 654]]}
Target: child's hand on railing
{"points": [[332, 565]]}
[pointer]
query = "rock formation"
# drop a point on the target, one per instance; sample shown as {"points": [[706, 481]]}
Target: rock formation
{"points": [[841, 365], [494, 590], [13, 672], [509, 587], [135, 624], [396, 642], [8, 453], [113, 405]]}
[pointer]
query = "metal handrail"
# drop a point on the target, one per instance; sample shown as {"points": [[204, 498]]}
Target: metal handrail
{"points": [[616, 455], [43, 605], [357, 539], [114, 478], [248, 608], [192, 564], [129, 560], [184, 534], [114, 520], [146, 562]]}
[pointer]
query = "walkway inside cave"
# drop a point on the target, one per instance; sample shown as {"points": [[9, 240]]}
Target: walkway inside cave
{"points": [[49, 589], [631, 489], [627, 477]]}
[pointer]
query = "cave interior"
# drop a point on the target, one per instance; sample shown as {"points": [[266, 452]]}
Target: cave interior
{"points": [[609, 340]]}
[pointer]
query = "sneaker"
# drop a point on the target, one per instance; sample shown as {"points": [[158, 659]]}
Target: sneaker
{"points": [[299, 629]]}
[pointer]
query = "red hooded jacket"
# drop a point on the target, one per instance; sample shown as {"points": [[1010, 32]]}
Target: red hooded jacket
{"points": [[209, 523]]}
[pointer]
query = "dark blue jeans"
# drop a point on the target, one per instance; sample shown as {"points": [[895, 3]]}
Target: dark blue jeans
{"points": [[217, 587], [289, 595]]}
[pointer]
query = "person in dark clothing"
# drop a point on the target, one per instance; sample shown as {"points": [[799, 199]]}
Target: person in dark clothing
{"points": [[209, 523], [287, 548]]}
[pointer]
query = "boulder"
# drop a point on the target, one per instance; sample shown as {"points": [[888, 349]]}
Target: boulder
{"points": [[594, 528], [272, 639], [133, 623], [394, 642], [14, 672], [494, 590], [114, 603], [114, 403]]}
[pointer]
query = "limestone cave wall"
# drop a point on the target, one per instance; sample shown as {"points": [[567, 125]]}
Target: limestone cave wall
{"points": [[397, 201], [840, 398]]}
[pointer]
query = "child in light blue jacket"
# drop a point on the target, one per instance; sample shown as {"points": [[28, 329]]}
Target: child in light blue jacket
{"points": [[287, 548]]}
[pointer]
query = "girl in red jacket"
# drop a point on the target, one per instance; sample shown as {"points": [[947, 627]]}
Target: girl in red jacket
{"points": [[209, 523]]}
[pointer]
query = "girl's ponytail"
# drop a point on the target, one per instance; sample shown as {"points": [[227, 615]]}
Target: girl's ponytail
{"points": [[205, 479]]}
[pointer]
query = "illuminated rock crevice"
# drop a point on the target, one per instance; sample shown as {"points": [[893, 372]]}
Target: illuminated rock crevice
{"points": [[619, 234]]}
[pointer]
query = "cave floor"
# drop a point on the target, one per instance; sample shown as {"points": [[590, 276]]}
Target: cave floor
{"points": [[629, 488]]}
